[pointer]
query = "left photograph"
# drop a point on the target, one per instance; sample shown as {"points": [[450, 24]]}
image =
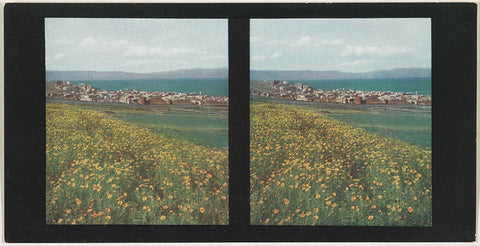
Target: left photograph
{"points": [[136, 121]]}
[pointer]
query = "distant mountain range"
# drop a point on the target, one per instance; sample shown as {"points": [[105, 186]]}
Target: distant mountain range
{"points": [[313, 75], [222, 73], [195, 73]]}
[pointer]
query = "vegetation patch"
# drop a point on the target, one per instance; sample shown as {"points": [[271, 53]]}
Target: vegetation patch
{"points": [[100, 170], [308, 169]]}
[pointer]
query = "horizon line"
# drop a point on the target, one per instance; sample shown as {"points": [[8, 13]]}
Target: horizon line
{"points": [[223, 68]]}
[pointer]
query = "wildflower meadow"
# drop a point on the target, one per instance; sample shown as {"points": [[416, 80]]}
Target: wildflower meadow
{"points": [[308, 169], [100, 170]]}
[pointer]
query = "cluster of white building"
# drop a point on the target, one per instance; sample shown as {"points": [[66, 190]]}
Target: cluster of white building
{"points": [[85, 92], [302, 92]]}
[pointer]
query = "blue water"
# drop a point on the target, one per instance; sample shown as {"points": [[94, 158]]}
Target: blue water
{"points": [[212, 87], [422, 86]]}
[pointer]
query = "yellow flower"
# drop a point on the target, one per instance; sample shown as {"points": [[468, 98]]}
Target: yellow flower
{"points": [[77, 201], [107, 210], [68, 210], [59, 220], [410, 209], [107, 217], [202, 210], [276, 211], [286, 201], [334, 194], [162, 217], [370, 217]]}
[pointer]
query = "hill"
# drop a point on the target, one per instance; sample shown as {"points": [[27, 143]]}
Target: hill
{"points": [[100, 170], [195, 73], [308, 169], [200, 73], [314, 75]]}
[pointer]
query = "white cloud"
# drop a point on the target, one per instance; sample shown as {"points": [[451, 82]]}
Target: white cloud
{"points": [[63, 41], [58, 56], [329, 42], [276, 55], [356, 63], [254, 39], [156, 51], [273, 42], [259, 58], [303, 41], [212, 57], [115, 43], [359, 50], [87, 41], [137, 63]]}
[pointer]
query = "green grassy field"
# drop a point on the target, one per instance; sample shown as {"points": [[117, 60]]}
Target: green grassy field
{"points": [[409, 123], [309, 169], [202, 125], [100, 170]]}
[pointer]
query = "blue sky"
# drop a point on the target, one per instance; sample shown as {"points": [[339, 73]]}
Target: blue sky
{"points": [[348, 45], [135, 45]]}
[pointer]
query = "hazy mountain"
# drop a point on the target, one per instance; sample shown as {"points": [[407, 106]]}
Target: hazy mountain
{"points": [[195, 73], [312, 75], [198, 73]]}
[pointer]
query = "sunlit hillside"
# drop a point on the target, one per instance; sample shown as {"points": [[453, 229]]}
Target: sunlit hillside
{"points": [[104, 171], [307, 169]]}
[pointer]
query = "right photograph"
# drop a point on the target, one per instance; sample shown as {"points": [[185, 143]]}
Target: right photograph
{"points": [[340, 122]]}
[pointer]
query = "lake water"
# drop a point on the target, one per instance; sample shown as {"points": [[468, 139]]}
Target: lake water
{"points": [[422, 86], [211, 87]]}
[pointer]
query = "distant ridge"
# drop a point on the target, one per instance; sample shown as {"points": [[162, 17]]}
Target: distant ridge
{"points": [[222, 73], [195, 73], [313, 75]]}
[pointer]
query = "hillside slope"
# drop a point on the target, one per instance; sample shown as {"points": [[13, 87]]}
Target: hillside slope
{"points": [[104, 171], [307, 169]]}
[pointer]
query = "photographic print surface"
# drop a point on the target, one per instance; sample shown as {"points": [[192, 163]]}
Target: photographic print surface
{"points": [[137, 121], [340, 122]]}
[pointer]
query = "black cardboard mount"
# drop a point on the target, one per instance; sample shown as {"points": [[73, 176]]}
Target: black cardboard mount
{"points": [[453, 124]]}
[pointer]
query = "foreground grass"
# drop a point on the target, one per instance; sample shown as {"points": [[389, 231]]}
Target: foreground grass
{"points": [[104, 171], [307, 169]]}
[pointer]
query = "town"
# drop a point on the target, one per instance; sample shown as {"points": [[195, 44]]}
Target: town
{"points": [[86, 92], [302, 92]]}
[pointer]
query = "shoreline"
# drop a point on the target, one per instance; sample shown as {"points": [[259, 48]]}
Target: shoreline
{"points": [[282, 90], [85, 92]]}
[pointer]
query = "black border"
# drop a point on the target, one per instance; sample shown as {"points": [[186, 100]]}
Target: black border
{"points": [[453, 123]]}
